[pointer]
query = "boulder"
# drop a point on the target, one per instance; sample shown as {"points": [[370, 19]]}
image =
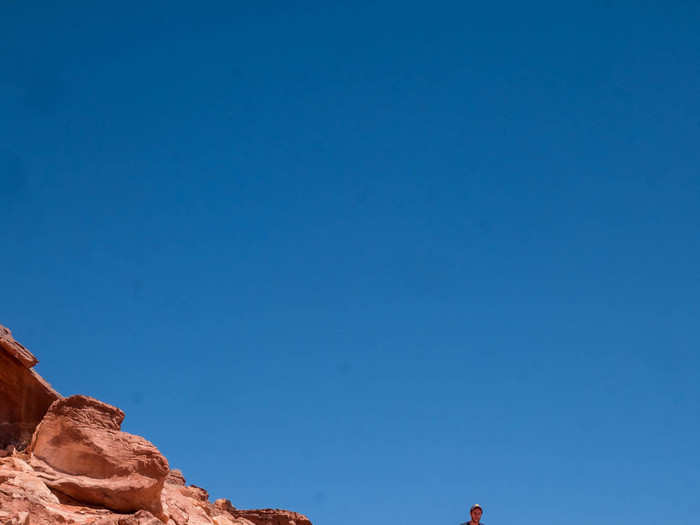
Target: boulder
{"points": [[26, 500], [24, 395], [79, 450], [66, 461]]}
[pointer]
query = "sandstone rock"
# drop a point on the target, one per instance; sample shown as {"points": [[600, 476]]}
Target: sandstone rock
{"points": [[79, 450], [142, 517], [195, 492], [18, 480], [225, 505], [16, 349], [272, 517], [226, 514], [80, 469], [187, 505], [23, 494], [21, 518], [223, 520], [24, 395], [175, 477]]}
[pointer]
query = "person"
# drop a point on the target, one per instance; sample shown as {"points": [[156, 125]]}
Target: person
{"points": [[475, 512]]}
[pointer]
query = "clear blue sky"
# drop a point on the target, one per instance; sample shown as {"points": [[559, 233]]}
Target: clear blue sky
{"points": [[373, 262]]}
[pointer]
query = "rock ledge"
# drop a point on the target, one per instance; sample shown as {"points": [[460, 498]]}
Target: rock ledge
{"points": [[66, 460]]}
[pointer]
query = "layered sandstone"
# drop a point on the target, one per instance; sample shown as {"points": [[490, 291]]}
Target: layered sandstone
{"points": [[81, 469], [79, 450], [272, 517], [24, 395], [25, 499]]}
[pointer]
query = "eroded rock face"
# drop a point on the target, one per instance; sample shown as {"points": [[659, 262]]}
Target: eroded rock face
{"points": [[25, 499], [16, 349], [23, 496], [272, 517], [79, 450], [24, 395], [80, 469]]}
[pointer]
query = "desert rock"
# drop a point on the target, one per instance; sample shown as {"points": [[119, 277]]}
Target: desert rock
{"points": [[16, 349], [272, 517], [81, 469], [79, 450], [23, 495], [24, 395]]}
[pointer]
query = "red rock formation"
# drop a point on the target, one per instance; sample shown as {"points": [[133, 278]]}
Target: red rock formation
{"points": [[16, 349], [80, 469], [261, 516], [272, 517], [24, 395], [79, 450], [26, 500]]}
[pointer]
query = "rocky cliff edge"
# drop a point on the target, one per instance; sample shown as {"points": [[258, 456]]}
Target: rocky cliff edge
{"points": [[66, 460]]}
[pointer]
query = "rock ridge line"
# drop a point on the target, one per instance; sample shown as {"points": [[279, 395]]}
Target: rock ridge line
{"points": [[66, 460]]}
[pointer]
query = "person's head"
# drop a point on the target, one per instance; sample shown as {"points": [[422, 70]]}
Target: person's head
{"points": [[475, 512]]}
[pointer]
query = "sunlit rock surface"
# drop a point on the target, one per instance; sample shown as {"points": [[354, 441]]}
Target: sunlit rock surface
{"points": [[80, 469], [79, 450]]}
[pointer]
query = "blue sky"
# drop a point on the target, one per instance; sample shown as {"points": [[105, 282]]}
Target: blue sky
{"points": [[370, 261]]}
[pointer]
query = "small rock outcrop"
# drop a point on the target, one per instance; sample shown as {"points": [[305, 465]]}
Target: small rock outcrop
{"points": [[80, 469], [272, 517], [24, 395]]}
